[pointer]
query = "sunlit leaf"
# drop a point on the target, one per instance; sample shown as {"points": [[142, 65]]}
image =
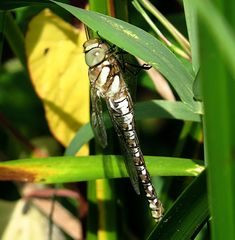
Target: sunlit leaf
{"points": [[59, 73], [72, 169]]}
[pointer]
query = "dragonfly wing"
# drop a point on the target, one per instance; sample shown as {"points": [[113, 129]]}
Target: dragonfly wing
{"points": [[128, 159], [97, 121], [131, 168]]}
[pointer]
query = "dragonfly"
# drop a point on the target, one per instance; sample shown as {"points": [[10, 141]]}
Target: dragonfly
{"points": [[107, 82]]}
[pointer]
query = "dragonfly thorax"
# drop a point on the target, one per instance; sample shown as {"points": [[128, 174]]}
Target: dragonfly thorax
{"points": [[105, 72]]}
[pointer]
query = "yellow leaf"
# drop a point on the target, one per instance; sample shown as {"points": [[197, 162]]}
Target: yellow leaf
{"points": [[59, 73]]}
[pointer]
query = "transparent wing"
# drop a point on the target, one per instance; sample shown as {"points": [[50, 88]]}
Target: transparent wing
{"points": [[129, 163], [97, 121]]}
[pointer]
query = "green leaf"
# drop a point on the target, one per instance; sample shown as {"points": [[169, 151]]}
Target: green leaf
{"points": [[99, 6], [217, 49], [143, 110], [191, 21], [143, 45], [197, 87], [15, 38], [73, 169], [92, 222], [220, 29], [186, 215]]}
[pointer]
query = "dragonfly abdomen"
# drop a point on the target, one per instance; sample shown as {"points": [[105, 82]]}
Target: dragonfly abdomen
{"points": [[123, 115], [154, 203], [138, 158]]}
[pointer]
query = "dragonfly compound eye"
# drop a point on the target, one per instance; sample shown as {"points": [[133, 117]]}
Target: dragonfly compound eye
{"points": [[95, 56]]}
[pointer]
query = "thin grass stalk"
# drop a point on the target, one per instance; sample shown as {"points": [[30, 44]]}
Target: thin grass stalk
{"points": [[15, 38], [2, 25], [175, 33], [174, 48]]}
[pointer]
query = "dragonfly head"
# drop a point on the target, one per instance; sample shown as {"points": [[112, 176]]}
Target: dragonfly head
{"points": [[95, 51]]}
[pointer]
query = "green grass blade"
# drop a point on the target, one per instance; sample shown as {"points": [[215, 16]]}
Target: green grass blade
{"points": [[72, 169], [99, 6], [121, 9], [92, 223], [188, 213], [163, 20], [107, 207], [15, 39], [220, 29], [140, 44], [218, 88], [2, 25], [143, 110], [191, 21], [157, 31], [165, 109], [190, 141]]}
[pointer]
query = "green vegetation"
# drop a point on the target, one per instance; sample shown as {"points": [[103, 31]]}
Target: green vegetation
{"points": [[188, 142]]}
